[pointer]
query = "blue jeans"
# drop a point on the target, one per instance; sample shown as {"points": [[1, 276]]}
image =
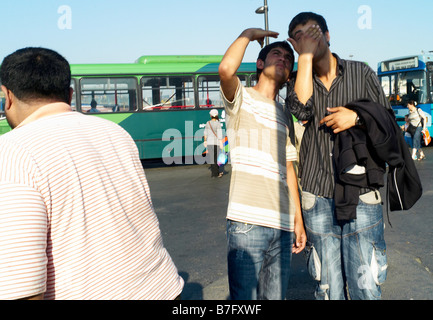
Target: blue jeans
{"points": [[408, 140], [258, 261], [345, 255], [417, 138]]}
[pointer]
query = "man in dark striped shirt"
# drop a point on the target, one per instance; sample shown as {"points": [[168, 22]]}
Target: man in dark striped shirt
{"points": [[341, 253]]}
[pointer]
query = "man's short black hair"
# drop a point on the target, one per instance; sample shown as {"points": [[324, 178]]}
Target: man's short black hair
{"points": [[279, 44], [37, 74], [303, 17]]}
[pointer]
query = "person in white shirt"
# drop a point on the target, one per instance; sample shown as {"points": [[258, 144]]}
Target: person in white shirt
{"points": [[417, 121], [264, 219], [76, 215], [213, 141]]}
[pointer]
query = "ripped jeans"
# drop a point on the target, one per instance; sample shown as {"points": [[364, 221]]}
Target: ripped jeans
{"points": [[258, 261], [347, 259]]}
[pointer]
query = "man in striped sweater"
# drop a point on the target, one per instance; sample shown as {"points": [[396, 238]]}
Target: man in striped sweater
{"points": [[76, 215], [264, 221]]}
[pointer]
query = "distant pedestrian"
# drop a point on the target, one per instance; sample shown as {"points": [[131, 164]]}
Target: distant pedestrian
{"points": [[264, 220], [417, 124], [76, 215], [213, 141]]}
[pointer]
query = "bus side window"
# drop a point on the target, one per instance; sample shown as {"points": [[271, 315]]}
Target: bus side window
{"points": [[2, 103], [385, 81], [209, 90], [253, 80], [167, 93], [431, 86], [108, 95], [74, 96]]}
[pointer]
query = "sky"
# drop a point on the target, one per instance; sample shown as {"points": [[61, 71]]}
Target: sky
{"points": [[120, 31]]}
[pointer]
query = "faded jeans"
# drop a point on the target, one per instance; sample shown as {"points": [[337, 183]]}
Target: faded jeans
{"points": [[416, 139], [258, 261], [349, 255]]}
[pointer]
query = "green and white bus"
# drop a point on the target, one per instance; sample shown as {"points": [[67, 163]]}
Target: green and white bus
{"points": [[162, 101]]}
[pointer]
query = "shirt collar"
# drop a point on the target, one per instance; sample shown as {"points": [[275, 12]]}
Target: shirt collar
{"points": [[341, 64], [46, 110]]}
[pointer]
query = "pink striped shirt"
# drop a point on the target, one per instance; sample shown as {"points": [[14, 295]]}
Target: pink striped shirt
{"points": [[76, 215]]}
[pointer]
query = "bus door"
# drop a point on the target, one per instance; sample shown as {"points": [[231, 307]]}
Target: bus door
{"points": [[414, 85], [430, 80]]}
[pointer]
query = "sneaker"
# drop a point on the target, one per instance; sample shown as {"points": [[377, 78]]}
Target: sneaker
{"points": [[421, 157], [414, 157]]}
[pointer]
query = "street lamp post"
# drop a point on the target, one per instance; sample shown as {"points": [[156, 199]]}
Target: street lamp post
{"points": [[264, 10]]}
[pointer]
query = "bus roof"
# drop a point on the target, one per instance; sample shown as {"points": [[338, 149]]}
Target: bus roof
{"points": [[413, 62], [179, 59], [158, 65], [423, 57]]}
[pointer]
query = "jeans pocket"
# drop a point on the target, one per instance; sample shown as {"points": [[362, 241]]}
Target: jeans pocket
{"points": [[313, 263], [235, 227], [308, 200], [379, 263]]}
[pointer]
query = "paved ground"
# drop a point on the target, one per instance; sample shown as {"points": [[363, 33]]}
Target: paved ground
{"points": [[191, 208]]}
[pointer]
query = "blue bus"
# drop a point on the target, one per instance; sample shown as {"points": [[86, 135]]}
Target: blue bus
{"points": [[408, 78]]}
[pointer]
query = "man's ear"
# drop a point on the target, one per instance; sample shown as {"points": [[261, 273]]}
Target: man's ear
{"points": [[328, 38], [71, 94], [9, 96], [260, 64]]}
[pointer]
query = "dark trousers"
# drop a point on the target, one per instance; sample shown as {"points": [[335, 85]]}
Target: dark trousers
{"points": [[211, 158]]}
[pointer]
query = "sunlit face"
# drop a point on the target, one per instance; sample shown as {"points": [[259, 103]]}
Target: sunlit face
{"points": [[279, 61], [411, 107]]}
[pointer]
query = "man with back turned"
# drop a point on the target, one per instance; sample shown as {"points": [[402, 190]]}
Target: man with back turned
{"points": [[76, 220]]}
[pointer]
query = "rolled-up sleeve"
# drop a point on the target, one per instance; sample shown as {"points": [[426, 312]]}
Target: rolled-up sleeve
{"points": [[297, 108]]}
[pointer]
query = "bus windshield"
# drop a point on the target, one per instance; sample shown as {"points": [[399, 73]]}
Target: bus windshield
{"points": [[404, 86]]}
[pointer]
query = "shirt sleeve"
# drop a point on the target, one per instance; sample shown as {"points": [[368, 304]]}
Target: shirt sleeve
{"points": [[23, 241], [422, 113], [291, 153], [297, 108], [232, 107], [374, 88]]}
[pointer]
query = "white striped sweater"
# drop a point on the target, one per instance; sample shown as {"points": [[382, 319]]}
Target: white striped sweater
{"points": [[260, 146], [76, 215]]}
